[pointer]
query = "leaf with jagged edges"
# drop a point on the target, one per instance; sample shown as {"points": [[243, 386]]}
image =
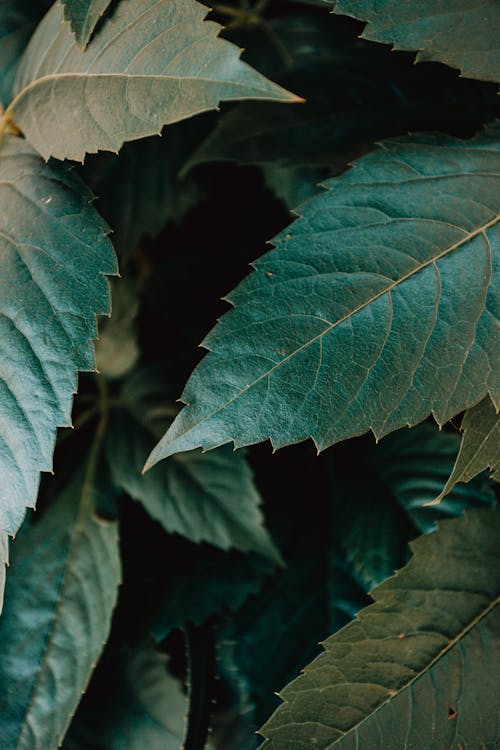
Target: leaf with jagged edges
{"points": [[460, 33], [375, 518], [4, 561], [343, 326], [55, 254], [418, 667], [206, 497], [18, 20], [60, 595], [479, 449], [152, 63], [83, 16]]}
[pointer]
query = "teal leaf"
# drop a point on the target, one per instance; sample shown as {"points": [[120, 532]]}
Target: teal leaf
{"points": [[206, 497], [153, 63], [55, 255], [4, 561], [460, 33], [418, 667], [83, 15], [479, 450], [404, 246], [61, 591]]}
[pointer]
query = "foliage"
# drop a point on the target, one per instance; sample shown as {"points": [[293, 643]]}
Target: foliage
{"points": [[171, 583]]}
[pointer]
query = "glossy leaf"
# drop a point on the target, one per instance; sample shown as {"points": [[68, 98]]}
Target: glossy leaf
{"points": [[204, 497], [61, 591], [55, 255], [460, 33], [480, 447], [428, 647], [397, 246], [83, 15], [152, 63]]}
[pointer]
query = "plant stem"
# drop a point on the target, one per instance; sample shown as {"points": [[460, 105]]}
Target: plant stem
{"points": [[200, 649]]}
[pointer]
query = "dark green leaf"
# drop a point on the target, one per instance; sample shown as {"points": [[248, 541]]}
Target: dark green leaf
{"points": [[209, 497], [83, 15], [418, 667], [152, 63], [480, 447], [460, 33], [55, 255], [61, 591], [401, 247]]}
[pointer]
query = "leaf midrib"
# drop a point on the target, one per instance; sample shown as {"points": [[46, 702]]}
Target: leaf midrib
{"points": [[451, 248]]}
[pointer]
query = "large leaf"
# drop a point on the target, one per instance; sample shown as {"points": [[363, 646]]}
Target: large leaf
{"points": [[376, 517], [418, 668], [83, 16], [18, 19], [460, 33], [480, 447], [342, 327], [54, 254], [209, 497], [151, 64], [4, 560], [60, 595]]}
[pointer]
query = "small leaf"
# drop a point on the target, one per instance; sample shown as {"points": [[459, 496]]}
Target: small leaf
{"points": [[430, 641], [463, 34], [4, 561], [480, 447], [204, 497], [61, 591], [152, 63], [83, 16], [117, 349], [401, 246], [55, 255]]}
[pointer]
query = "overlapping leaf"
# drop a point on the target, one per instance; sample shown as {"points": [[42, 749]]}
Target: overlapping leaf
{"points": [[418, 667], [83, 16], [54, 254], [152, 63], [342, 328], [61, 592], [460, 33], [480, 448], [204, 497]]}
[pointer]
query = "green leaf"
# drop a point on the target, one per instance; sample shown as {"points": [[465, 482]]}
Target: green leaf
{"points": [[403, 246], [204, 497], [60, 595], [480, 447], [418, 667], [460, 33], [133, 703], [375, 518], [153, 63], [18, 19], [55, 255], [4, 561], [83, 16]]}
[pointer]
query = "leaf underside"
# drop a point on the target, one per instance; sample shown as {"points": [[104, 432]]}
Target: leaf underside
{"points": [[342, 327], [480, 447], [83, 16], [4, 561], [461, 34], [55, 255], [418, 667], [61, 592], [134, 77]]}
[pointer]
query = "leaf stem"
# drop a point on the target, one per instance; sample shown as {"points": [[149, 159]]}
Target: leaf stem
{"points": [[200, 649]]}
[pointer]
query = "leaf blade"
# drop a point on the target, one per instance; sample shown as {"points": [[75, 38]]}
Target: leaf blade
{"points": [[368, 669], [120, 88], [383, 248], [83, 16]]}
